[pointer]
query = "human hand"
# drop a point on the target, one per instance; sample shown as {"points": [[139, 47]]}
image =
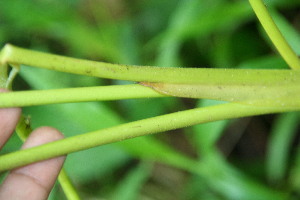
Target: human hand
{"points": [[34, 181]]}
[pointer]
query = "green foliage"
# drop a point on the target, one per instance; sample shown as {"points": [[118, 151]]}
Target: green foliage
{"points": [[189, 163]]}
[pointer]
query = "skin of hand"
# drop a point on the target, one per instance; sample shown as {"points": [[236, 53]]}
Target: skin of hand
{"points": [[33, 181]]}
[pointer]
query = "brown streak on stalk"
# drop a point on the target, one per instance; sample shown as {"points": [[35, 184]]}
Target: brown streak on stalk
{"points": [[158, 87]]}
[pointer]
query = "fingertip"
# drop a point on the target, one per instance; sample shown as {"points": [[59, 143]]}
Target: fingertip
{"points": [[3, 90], [36, 180], [45, 170], [42, 135]]}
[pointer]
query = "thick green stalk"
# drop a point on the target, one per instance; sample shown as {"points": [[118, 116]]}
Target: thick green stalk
{"points": [[256, 87], [16, 55], [23, 130], [83, 94], [281, 94], [274, 34], [3, 76], [131, 130]]}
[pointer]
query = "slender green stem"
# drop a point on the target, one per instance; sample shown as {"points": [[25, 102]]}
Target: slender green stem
{"points": [[133, 129], [13, 55], [12, 75], [3, 71], [258, 87], [23, 130], [67, 186], [280, 94], [275, 35], [98, 93], [3, 76]]}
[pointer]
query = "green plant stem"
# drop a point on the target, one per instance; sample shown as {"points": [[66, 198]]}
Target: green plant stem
{"points": [[3, 76], [98, 93], [280, 94], [133, 129], [23, 130], [274, 34], [12, 75], [67, 186], [256, 87], [16, 55], [3, 73]]}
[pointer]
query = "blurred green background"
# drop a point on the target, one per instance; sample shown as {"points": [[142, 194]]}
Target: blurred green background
{"points": [[249, 158]]}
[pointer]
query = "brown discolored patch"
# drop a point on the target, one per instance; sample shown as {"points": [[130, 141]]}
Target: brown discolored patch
{"points": [[158, 87]]}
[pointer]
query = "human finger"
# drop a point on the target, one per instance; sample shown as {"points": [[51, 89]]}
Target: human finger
{"points": [[34, 181]]}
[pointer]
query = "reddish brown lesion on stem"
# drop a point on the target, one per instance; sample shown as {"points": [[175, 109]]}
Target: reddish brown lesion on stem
{"points": [[158, 87]]}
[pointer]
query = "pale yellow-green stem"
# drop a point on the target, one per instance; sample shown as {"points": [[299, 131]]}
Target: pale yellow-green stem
{"points": [[255, 87], [274, 34], [23, 130], [67, 186], [3, 73], [15, 55], [82, 94], [134, 129]]}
